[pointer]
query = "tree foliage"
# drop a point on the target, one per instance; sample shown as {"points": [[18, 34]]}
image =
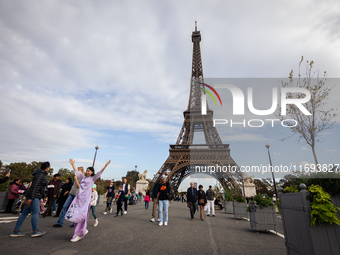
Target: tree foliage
{"points": [[322, 118]]}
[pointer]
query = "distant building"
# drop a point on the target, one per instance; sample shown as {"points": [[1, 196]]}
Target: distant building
{"points": [[3, 169], [195, 185]]}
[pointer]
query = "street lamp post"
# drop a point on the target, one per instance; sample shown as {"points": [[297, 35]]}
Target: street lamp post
{"points": [[94, 160], [271, 165]]}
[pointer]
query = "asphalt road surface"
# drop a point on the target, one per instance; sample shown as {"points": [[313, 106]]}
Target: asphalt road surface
{"points": [[133, 233]]}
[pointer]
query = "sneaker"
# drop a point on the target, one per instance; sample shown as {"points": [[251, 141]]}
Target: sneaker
{"points": [[208, 215], [158, 220], [104, 212], [54, 212], [116, 215], [165, 223], [57, 226], [38, 233], [86, 231], [96, 223], [160, 224], [213, 215], [125, 212], [152, 220], [76, 239], [16, 234], [111, 210]]}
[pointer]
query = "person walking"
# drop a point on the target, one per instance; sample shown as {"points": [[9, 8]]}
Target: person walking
{"points": [[133, 195], [78, 211], [109, 195], [33, 194], [53, 189], [154, 199], [126, 188], [191, 199], [202, 200], [12, 194], [73, 193], [120, 200], [162, 198], [210, 201], [147, 198], [64, 193], [93, 204]]}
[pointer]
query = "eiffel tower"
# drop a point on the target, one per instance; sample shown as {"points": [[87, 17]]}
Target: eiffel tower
{"points": [[184, 156]]}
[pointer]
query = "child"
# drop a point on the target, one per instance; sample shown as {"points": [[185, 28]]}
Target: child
{"points": [[147, 201], [120, 200], [93, 204]]}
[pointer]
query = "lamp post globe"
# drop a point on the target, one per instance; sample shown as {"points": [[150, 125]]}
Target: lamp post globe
{"points": [[95, 154]]}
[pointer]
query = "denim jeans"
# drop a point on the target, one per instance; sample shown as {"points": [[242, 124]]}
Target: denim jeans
{"points": [[163, 204], [65, 206], [54, 205], [93, 210], [35, 209], [146, 205]]}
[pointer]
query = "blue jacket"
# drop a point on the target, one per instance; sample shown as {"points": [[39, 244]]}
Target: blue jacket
{"points": [[190, 197]]}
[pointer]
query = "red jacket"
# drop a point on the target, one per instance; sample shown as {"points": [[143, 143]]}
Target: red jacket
{"points": [[13, 191]]}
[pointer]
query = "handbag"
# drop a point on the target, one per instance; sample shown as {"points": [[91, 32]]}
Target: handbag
{"points": [[201, 201]]}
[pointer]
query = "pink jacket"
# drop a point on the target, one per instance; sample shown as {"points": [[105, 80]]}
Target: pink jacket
{"points": [[13, 192]]}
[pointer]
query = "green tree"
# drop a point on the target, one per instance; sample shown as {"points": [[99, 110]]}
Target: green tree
{"points": [[132, 176], [321, 119], [65, 173]]}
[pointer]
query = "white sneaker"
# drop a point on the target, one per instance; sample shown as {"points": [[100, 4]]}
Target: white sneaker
{"points": [[152, 220], [76, 239], [96, 223], [104, 212], [158, 220], [160, 224], [86, 231], [54, 212], [125, 212], [165, 223]]}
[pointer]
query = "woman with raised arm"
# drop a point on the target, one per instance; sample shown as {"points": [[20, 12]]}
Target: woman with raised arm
{"points": [[78, 211]]}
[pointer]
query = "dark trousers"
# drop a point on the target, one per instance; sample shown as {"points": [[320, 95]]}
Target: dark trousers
{"points": [[125, 203], [50, 203], [192, 206], [61, 203], [9, 205], [119, 207]]}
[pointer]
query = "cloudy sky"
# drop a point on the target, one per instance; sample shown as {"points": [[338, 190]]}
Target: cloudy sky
{"points": [[74, 74]]}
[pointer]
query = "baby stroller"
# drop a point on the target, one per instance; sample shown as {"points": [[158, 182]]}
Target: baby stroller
{"points": [[19, 204]]}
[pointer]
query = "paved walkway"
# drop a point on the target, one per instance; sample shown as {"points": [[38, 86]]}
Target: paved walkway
{"points": [[133, 233]]}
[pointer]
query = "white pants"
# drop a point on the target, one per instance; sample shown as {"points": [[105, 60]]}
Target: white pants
{"points": [[211, 203]]}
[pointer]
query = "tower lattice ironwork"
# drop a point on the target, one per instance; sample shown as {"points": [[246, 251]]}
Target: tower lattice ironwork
{"points": [[185, 156]]}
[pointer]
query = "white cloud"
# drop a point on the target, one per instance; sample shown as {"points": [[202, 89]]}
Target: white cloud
{"points": [[70, 70]]}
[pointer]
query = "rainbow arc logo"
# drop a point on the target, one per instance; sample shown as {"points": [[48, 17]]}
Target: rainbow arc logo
{"points": [[204, 98]]}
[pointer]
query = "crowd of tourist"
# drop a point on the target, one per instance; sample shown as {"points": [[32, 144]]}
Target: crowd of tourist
{"points": [[78, 197]]}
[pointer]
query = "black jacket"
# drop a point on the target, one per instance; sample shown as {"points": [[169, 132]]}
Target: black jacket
{"points": [[190, 197], [3, 180], [210, 194], [201, 195], [39, 182], [155, 190]]}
